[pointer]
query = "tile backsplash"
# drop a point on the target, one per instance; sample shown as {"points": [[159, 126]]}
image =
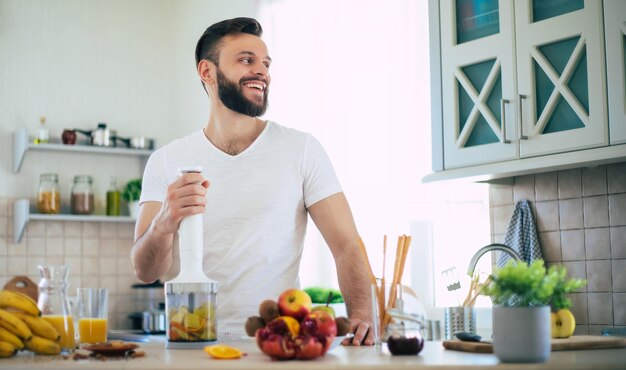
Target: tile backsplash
{"points": [[581, 221], [98, 254]]}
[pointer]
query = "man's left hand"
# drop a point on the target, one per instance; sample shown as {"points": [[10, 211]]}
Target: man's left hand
{"points": [[361, 333]]}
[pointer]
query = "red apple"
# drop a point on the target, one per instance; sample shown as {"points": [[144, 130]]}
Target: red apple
{"points": [[295, 303]]}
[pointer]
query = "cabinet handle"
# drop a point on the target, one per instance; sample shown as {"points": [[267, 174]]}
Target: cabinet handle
{"points": [[521, 119], [503, 102]]}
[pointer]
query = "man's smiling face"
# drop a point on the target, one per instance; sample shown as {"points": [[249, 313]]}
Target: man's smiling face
{"points": [[243, 74]]}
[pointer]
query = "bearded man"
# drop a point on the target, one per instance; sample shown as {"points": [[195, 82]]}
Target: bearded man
{"points": [[259, 183]]}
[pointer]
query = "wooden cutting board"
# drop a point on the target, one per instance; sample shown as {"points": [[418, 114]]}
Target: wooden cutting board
{"points": [[577, 342]]}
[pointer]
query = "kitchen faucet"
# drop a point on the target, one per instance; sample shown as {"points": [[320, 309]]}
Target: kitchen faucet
{"points": [[489, 248]]}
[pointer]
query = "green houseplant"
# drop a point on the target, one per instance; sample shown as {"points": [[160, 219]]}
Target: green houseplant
{"points": [[131, 194], [522, 295]]}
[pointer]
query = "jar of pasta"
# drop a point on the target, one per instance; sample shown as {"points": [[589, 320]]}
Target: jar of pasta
{"points": [[48, 197]]}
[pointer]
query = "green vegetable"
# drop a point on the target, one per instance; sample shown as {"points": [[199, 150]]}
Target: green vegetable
{"points": [[132, 190], [523, 285], [320, 295]]}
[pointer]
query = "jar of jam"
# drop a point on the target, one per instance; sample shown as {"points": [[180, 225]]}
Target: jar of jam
{"points": [[82, 199], [48, 196]]}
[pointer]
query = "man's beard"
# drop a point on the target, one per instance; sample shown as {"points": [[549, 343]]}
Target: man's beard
{"points": [[232, 97]]}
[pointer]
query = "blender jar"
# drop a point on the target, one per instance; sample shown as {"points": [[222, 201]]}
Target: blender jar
{"points": [[191, 312]]}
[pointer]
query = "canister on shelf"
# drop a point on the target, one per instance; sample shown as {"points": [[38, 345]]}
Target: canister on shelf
{"points": [[82, 199], [113, 198], [48, 197]]}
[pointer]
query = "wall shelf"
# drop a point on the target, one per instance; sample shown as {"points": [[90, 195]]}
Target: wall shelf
{"points": [[22, 214], [22, 144]]}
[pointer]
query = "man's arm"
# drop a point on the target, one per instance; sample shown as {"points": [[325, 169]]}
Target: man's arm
{"points": [[158, 222], [334, 220]]}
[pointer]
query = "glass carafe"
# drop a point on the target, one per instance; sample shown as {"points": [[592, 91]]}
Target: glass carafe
{"points": [[54, 303]]}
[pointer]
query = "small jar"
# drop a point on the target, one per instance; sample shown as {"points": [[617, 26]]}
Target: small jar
{"points": [[48, 197], [82, 199]]}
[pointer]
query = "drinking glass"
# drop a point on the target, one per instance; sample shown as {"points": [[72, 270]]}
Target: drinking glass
{"points": [[91, 311]]}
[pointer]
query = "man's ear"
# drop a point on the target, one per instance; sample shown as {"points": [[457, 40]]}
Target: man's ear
{"points": [[206, 72]]}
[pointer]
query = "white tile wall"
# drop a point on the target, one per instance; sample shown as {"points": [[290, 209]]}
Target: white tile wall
{"points": [[581, 221]]}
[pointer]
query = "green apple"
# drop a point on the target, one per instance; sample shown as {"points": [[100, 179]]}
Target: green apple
{"points": [[329, 310]]}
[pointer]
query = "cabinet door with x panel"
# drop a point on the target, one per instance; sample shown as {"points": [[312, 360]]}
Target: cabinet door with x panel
{"points": [[478, 82], [560, 76]]}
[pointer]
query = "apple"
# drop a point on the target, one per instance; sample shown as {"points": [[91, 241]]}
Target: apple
{"points": [[295, 303], [563, 323], [327, 309]]}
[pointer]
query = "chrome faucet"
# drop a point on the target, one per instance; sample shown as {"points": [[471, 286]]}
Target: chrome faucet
{"points": [[489, 248]]}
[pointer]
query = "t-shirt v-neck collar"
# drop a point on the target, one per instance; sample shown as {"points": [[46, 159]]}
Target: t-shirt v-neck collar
{"points": [[245, 151]]}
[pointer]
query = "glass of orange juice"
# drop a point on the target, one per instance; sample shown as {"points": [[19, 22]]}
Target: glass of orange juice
{"points": [[91, 312]]}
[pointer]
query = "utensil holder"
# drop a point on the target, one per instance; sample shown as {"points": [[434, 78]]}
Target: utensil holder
{"points": [[459, 319]]}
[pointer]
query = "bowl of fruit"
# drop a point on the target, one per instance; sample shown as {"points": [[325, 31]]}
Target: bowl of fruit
{"points": [[291, 328]]}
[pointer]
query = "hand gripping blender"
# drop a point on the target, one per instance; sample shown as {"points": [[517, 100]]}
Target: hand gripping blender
{"points": [[191, 297]]}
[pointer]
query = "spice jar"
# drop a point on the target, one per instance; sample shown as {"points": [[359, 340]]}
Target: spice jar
{"points": [[48, 197], [82, 199]]}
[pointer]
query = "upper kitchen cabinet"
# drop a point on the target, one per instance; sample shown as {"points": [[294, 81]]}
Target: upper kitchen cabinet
{"points": [[520, 82], [615, 34]]}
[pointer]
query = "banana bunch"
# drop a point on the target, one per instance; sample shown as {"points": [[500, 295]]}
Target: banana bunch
{"points": [[21, 327]]}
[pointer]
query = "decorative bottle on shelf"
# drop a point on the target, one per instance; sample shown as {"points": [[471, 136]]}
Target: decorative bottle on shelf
{"points": [[113, 198], [43, 136], [82, 199], [48, 197]]}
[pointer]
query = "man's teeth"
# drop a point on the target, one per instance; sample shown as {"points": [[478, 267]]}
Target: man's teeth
{"points": [[256, 86]]}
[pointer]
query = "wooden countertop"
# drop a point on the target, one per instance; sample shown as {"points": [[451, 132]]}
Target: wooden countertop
{"points": [[433, 355]]}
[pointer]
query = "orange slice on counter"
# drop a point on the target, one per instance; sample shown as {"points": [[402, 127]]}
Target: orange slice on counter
{"points": [[223, 352]]}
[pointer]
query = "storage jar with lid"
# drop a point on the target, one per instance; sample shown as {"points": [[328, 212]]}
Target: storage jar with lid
{"points": [[48, 197], [82, 199]]}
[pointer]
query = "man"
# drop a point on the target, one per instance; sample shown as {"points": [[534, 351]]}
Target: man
{"points": [[264, 179]]}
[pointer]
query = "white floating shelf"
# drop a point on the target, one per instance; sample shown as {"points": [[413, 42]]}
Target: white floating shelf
{"points": [[22, 144], [22, 215]]}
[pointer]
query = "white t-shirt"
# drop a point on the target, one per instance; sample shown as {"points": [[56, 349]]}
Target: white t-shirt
{"points": [[256, 213]]}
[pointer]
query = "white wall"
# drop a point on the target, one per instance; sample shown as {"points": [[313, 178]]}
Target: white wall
{"points": [[127, 63]]}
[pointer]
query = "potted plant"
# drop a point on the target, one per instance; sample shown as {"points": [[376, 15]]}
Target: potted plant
{"points": [[522, 295], [131, 194]]}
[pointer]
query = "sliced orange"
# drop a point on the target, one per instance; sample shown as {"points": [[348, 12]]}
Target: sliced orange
{"points": [[223, 352]]}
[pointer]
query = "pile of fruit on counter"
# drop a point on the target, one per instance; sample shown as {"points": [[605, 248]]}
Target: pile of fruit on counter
{"points": [[22, 328], [291, 328]]}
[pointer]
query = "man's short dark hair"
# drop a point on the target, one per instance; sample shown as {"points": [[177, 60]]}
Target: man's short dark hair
{"points": [[207, 45]]}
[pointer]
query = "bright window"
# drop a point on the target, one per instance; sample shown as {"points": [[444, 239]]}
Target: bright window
{"points": [[355, 73]]}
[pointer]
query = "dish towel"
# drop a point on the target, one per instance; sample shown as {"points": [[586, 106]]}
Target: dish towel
{"points": [[522, 235]]}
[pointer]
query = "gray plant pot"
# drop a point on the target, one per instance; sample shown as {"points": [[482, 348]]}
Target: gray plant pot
{"points": [[521, 334]]}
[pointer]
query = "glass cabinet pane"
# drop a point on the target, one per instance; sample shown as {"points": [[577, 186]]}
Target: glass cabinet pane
{"points": [[476, 19], [477, 75], [558, 56], [544, 9]]}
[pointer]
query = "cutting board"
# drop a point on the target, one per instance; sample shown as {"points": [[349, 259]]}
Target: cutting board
{"points": [[577, 342]]}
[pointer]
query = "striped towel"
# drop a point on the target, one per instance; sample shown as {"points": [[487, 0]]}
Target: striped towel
{"points": [[522, 235]]}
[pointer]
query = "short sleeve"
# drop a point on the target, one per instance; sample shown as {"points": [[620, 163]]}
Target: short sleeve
{"points": [[320, 180], [154, 184]]}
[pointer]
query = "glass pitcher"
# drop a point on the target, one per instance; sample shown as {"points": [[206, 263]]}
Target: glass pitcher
{"points": [[54, 303]]}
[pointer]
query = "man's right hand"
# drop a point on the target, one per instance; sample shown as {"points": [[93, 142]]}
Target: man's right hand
{"points": [[158, 222], [185, 197]]}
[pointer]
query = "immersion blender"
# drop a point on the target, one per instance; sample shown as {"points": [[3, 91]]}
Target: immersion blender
{"points": [[191, 297]]}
